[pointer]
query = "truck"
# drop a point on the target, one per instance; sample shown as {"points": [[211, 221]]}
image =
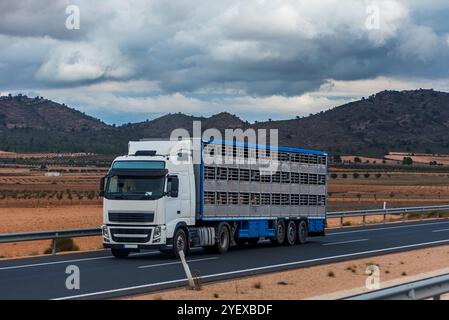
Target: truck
{"points": [[168, 195]]}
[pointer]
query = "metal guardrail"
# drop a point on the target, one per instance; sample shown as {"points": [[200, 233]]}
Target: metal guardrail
{"points": [[49, 235], [417, 290], [76, 233], [385, 212]]}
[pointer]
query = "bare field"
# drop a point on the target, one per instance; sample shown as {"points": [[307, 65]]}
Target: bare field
{"points": [[313, 281], [55, 218], [31, 201]]}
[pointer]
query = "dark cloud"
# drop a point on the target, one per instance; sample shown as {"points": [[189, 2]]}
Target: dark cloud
{"points": [[253, 48]]}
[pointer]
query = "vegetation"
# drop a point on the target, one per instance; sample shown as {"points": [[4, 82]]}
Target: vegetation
{"points": [[389, 120], [62, 245]]}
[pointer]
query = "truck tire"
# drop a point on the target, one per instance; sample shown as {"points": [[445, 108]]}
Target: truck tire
{"points": [[290, 233], [180, 243], [302, 232], [279, 232], [120, 253], [223, 237], [223, 240]]}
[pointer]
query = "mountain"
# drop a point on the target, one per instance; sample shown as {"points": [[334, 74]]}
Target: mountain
{"points": [[416, 121]]}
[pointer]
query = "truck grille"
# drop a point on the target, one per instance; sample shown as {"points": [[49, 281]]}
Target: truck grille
{"points": [[125, 235], [131, 216]]}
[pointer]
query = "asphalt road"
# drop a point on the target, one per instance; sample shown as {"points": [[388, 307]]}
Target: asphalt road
{"points": [[102, 276]]}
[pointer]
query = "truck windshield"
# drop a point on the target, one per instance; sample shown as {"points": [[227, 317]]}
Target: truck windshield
{"points": [[135, 187]]}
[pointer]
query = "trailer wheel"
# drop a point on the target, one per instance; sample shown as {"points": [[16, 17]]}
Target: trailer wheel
{"points": [[302, 232], [120, 253], [290, 234], [179, 242], [280, 232]]}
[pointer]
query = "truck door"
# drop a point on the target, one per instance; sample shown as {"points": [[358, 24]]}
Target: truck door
{"points": [[184, 194]]}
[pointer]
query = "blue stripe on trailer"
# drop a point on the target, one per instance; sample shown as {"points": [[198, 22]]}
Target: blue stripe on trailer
{"points": [[315, 225], [255, 229], [261, 146], [237, 218]]}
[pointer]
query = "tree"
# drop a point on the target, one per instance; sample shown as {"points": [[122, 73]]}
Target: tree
{"points": [[407, 161], [337, 158]]}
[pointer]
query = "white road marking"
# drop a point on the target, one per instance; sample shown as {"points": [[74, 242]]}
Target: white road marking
{"points": [[70, 261], [175, 262], [387, 228], [355, 254], [440, 230], [343, 242]]}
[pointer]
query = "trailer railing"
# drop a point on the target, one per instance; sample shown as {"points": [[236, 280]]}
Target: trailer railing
{"points": [[430, 288], [76, 233]]}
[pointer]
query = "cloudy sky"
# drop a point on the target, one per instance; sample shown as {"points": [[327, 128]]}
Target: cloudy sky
{"points": [[260, 59]]}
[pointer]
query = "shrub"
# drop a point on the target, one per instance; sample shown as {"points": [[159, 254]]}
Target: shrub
{"points": [[257, 285], [344, 175], [366, 175], [66, 244], [355, 175], [378, 175], [334, 176]]}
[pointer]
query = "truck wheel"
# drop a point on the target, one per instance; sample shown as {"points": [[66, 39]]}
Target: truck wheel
{"points": [[180, 242], [290, 234], [120, 253], [302, 232], [224, 238], [280, 232]]}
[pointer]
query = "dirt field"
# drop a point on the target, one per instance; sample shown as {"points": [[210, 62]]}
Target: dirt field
{"points": [[30, 201], [314, 281], [53, 218], [419, 157]]}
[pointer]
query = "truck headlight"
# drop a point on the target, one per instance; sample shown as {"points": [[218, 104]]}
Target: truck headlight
{"points": [[157, 234], [105, 232]]}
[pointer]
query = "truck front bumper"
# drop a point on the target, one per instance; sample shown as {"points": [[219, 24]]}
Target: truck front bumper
{"points": [[137, 247]]}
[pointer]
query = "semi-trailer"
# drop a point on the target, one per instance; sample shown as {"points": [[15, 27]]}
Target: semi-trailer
{"points": [[174, 195]]}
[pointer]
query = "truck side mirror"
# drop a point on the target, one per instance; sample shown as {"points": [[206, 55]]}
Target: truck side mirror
{"points": [[102, 183], [173, 186]]}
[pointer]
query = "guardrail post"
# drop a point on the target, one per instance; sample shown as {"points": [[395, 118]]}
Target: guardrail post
{"points": [[385, 218], [403, 216], [53, 246], [341, 222], [364, 219]]}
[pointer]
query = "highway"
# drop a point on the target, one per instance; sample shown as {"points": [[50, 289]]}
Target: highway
{"points": [[102, 276]]}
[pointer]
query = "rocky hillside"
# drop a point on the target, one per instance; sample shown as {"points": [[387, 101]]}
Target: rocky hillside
{"points": [[415, 121]]}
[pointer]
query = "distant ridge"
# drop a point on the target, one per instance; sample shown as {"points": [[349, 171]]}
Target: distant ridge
{"points": [[416, 120]]}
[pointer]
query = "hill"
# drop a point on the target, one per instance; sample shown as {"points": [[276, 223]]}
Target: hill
{"points": [[416, 120]]}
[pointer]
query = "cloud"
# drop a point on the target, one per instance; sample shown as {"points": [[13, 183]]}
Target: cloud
{"points": [[289, 56], [81, 62]]}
